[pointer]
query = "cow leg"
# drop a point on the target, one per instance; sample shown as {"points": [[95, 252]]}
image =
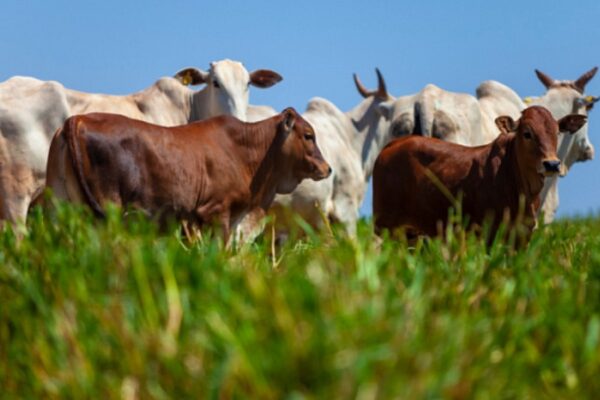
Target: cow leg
{"points": [[280, 222], [17, 185], [550, 202], [191, 230], [345, 211], [219, 215], [13, 207], [225, 222], [247, 228]]}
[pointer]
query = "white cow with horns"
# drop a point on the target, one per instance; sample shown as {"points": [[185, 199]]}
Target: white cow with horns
{"points": [[32, 110], [464, 119], [350, 142]]}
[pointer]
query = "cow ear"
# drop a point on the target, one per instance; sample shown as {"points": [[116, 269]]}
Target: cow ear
{"points": [[191, 76], [289, 119], [571, 123], [264, 78], [506, 124], [386, 109]]}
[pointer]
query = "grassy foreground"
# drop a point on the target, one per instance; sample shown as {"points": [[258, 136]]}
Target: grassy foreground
{"points": [[107, 309]]}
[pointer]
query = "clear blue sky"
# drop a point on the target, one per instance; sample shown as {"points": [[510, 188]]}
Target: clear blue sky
{"points": [[120, 47]]}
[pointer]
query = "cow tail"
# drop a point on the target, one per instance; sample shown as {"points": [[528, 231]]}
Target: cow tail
{"points": [[71, 134]]}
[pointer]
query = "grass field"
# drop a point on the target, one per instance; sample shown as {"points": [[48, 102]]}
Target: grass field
{"points": [[107, 309]]}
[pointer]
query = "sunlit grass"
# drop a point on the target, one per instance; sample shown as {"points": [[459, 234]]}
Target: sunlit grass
{"points": [[108, 309]]}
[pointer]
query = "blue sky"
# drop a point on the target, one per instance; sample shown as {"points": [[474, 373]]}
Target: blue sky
{"points": [[120, 47]]}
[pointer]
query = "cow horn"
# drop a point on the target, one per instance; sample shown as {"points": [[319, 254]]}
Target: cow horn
{"points": [[381, 89], [545, 79], [360, 87], [584, 79]]}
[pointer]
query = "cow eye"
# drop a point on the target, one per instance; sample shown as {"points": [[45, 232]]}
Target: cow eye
{"points": [[216, 84], [309, 137], [527, 135]]}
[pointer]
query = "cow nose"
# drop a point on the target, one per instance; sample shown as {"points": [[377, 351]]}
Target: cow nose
{"points": [[587, 154], [552, 166]]}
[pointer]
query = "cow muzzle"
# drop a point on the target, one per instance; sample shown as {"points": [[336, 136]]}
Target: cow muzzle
{"points": [[551, 167], [322, 172], [587, 155]]}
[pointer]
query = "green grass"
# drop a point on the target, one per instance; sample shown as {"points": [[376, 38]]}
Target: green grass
{"points": [[110, 309]]}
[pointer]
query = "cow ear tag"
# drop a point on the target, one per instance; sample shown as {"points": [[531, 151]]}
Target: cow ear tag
{"points": [[187, 79]]}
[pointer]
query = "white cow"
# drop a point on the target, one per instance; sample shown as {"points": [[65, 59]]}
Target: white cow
{"points": [[464, 119], [349, 142], [27, 122], [31, 110]]}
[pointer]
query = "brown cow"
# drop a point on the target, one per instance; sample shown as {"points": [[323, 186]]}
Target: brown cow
{"points": [[213, 171], [417, 179]]}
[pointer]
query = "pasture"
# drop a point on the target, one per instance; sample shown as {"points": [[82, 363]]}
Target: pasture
{"points": [[109, 309]]}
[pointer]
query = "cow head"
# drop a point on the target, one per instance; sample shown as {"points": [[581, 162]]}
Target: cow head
{"points": [[537, 137], [300, 157], [567, 97], [227, 87]]}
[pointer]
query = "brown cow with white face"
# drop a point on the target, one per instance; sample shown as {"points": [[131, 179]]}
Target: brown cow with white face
{"points": [[214, 171], [416, 179]]}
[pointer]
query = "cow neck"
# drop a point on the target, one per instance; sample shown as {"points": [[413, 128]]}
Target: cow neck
{"points": [[258, 144], [198, 101], [530, 184], [168, 101], [367, 136]]}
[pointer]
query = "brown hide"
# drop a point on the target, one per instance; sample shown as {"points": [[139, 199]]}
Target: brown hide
{"points": [[417, 179], [213, 171]]}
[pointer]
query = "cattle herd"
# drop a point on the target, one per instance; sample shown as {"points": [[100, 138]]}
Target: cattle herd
{"points": [[209, 157]]}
